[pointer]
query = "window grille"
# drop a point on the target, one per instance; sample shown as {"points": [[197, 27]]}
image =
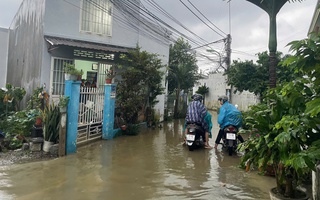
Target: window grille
{"points": [[96, 16], [58, 76], [103, 67]]}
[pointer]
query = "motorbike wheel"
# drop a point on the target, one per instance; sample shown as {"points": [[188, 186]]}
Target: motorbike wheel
{"points": [[191, 148], [230, 147], [230, 151]]}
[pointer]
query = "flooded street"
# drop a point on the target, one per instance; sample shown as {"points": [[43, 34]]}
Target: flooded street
{"points": [[152, 165]]}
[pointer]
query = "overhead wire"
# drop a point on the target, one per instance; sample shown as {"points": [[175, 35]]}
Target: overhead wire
{"points": [[201, 19], [141, 15], [166, 14], [207, 19]]}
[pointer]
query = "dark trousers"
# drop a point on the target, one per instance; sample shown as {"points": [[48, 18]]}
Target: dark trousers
{"points": [[220, 135]]}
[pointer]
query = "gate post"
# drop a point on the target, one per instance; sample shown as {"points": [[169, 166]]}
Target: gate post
{"points": [[108, 111], [72, 90], [316, 183]]}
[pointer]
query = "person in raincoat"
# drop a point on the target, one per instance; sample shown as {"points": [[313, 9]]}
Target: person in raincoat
{"points": [[208, 118], [228, 115], [196, 113]]}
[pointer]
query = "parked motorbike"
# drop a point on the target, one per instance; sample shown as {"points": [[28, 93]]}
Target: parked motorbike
{"points": [[230, 139], [195, 137]]}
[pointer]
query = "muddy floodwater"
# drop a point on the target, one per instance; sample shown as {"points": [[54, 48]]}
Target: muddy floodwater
{"points": [[153, 165]]}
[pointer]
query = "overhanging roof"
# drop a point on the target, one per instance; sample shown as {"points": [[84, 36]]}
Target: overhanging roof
{"points": [[56, 41]]}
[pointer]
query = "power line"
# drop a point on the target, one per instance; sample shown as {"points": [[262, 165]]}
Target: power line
{"points": [[201, 19], [221, 40], [137, 15], [206, 17]]}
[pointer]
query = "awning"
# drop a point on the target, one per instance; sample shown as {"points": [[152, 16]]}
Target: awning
{"points": [[56, 41]]}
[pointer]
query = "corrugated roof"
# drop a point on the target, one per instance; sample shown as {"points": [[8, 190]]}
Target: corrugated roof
{"points": [[56, 41]]}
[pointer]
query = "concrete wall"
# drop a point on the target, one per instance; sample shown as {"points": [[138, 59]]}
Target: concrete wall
{"points": [[26, 46], [218, 86], [161, 48], [63, 18], [4, 39]]}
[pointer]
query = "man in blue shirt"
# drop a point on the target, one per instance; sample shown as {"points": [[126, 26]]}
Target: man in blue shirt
{"points": [[228, 115], [196, 114]]}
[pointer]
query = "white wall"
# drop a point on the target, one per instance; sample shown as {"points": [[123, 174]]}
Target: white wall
{"points": [[4, 39], [62, 19], [218, 86], [162, 49]]}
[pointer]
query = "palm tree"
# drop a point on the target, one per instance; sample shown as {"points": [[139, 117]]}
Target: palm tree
{"points": [[272, 7]]}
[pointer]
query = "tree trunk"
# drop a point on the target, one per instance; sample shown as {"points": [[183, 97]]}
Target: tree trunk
{"points": [[272, 70], [272, 50], [176, 105]]}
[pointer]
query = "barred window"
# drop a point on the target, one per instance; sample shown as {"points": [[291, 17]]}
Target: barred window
{"points": [[96, 16], [57, 87]]}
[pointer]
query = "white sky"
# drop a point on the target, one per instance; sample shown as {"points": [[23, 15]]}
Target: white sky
{"points": [[249, 24]]}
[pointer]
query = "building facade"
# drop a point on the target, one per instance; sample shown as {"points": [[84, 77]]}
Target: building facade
{"points": [[91, 34], [218, 86], [4, 39]]}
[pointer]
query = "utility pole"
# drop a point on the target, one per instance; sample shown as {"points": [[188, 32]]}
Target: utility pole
{"points": [[228, 50], [228, 62]]}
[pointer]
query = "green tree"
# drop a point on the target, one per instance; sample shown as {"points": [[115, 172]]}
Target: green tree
{"points": [[254, 77], [272, 7], [140, 83], [203, 90], [285, 128], [306, 61], [183, 70]]}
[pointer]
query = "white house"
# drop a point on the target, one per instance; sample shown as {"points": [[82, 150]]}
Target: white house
{"points": [[217, 85], [90, 33], [4, 39]]}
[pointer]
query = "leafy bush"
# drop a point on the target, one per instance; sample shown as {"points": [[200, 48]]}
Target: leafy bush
{"points": [[285, 128], [140, 83], [10, 98], [132, 129]]}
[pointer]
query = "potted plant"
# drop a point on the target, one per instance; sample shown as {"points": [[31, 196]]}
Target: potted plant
{"points": [[285, 128], [110, 74], [51, 124], [38, 117], [71, 73], [63, 103]]}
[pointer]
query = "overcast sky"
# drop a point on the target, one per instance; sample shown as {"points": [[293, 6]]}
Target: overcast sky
{"points": [[249, 25]]}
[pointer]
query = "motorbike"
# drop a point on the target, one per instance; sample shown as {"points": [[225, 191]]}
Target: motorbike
{"points": [[230, 139], [195, 137]]}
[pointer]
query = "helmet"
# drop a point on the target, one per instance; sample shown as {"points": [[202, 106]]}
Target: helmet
{"points": [[197, 97], [223, 98]]}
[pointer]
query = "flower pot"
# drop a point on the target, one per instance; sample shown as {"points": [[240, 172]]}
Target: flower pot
{"points": [[70, 77], [47, 145], [63, 109], [275, 196], [37, 132], [123, 127], [108, 81], [38, 121]]}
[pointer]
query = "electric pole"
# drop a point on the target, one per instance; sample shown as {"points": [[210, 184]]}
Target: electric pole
{"points": [[228, 50], [228, 62]]}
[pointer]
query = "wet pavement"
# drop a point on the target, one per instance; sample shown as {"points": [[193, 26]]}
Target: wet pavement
{"points": [[151, 165]]}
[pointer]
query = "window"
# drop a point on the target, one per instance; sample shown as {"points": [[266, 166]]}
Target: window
{"points": [[57, 87], [96, 16]]}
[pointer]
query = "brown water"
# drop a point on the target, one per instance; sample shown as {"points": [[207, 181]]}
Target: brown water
{"points": [[152, 165]]}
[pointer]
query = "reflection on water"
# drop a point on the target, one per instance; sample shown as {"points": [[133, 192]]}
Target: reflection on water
{"points": [[152, 165]]}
